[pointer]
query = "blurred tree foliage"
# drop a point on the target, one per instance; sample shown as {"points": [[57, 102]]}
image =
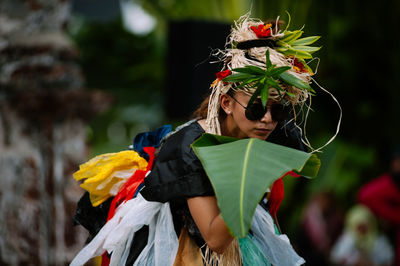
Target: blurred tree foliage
{"points": [[359, 65], [131, 69]]}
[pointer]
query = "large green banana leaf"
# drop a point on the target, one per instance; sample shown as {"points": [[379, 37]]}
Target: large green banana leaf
{"points": [[241, 170]]}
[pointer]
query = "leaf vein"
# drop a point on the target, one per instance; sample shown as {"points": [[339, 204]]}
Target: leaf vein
{"points": [[244, 170]]}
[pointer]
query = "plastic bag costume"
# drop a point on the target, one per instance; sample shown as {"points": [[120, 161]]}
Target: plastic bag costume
{"points": [[145, 227]]}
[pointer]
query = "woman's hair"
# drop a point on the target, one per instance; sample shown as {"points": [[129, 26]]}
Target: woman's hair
{"points": [[201, 111]]}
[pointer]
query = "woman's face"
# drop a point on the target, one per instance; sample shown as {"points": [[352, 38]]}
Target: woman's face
{"points": [[237, 125]]}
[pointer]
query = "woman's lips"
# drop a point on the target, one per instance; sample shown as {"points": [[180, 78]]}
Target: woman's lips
{"points": [[263, 130]]}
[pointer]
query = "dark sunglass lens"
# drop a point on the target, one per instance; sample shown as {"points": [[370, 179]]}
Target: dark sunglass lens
{"points": [[279, 112], [255, 111]]}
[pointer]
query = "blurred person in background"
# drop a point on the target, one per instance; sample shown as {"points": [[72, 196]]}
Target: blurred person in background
{"points": [[382, 196], [321, 224], [361, 243]]}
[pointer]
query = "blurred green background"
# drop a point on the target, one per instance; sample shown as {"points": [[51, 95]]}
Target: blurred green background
{"points": [[126, 54]]}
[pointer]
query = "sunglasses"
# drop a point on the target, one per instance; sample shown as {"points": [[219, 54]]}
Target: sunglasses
{"points": [[256, 111]]}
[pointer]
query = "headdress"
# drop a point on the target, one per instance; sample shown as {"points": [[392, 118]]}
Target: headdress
{"points": [[261, 60]]}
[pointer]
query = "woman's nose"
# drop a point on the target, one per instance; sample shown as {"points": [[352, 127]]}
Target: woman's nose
{"points": [[267, 118]]}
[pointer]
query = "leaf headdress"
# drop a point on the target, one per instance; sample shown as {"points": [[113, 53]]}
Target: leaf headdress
{"points": [[264, 62]]}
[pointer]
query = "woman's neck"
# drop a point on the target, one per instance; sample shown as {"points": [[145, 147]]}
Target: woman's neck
{"points": [[202, 123], [228, 129]]}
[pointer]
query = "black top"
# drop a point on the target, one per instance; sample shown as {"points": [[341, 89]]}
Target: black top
{"points": [[177, 172]]}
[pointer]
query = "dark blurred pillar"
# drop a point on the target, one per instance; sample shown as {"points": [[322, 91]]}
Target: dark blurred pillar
{"points": [[42, 133], [106, 10], [189, 72]]}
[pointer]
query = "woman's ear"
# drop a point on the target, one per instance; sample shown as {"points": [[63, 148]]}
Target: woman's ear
{"points": [[226, 103]]}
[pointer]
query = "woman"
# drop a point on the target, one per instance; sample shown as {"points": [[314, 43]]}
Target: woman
{"points": [[205, 210], [261, 82]]}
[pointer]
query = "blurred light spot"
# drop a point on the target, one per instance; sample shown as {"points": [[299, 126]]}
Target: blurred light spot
{"points": [[116, 132], [143, 114], [136, 19], [136, 129]]}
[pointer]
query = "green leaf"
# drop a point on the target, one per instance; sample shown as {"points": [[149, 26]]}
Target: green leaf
{"points": [[234, 44], [240, 172], [270, 69], [238, 77], [309, 49], [306, 40], [290, 94], [256, 93], [279, 89], [273, 83], [249, 70], [281, 49], [276, 71], [264, 94], [247, 82], [298, 53], [256, 69], [292, 36], [281, 44], [311, 169], [289, 19], [294, 81], [243, 70], [267, 60], [210, 139], [287, 35]]}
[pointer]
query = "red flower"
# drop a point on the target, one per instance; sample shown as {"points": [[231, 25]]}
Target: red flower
{"points": [[223, 74], [262, 30], [298, 66]]}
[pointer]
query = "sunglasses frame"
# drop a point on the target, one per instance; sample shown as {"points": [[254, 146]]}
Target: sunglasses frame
{"points": [[253, 114]]}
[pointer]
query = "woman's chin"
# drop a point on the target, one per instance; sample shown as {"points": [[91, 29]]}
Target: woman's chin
{"points": [[260, 136]]}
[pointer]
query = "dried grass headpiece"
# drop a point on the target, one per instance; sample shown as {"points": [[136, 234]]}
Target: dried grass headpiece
{"points": [[261, 60]]}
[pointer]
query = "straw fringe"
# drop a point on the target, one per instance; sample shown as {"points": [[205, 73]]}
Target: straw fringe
{"points": [[339, 121], [212, 122], [231, 257]]}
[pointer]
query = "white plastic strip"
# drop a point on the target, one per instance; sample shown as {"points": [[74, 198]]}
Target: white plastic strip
{"points": [[116, 235], [276, 248]]}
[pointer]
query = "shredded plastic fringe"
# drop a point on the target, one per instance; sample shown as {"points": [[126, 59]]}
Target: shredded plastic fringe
{"points": [[105, 174]]}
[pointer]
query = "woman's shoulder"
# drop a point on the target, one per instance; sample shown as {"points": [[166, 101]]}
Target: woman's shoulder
{"points": [[188, 132], [179, 142]]}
